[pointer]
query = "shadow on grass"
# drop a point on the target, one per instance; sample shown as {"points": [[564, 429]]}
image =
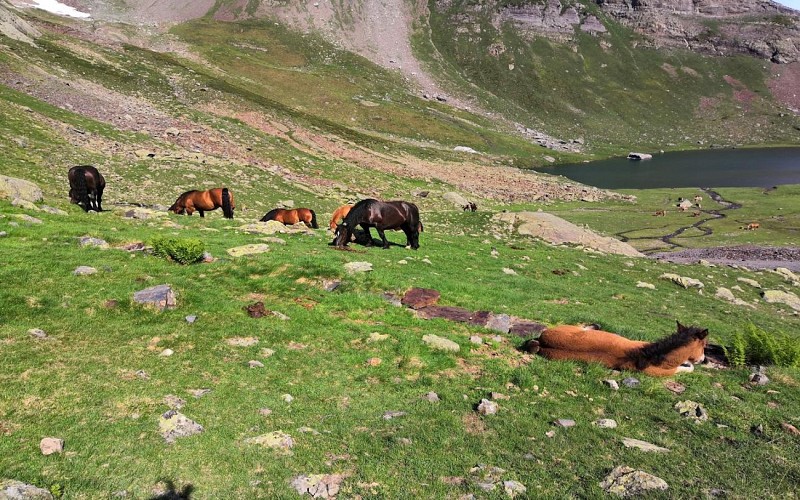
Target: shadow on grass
{"points": [[171, 493]]}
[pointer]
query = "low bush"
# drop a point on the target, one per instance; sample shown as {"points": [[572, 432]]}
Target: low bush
{"points": [[180, 250], [756, 346]]}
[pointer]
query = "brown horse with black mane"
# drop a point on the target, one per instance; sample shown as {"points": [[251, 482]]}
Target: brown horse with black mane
{"points": [[662, 358], [340, 213], [293, 216], [381, 215], [86, 185], [205, 201]]}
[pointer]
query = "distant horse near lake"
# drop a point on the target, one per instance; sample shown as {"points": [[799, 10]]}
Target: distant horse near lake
{"points": [[668, 356], [86, 185], [292, 216], [338, 215], [205, 201], [382, 216]]}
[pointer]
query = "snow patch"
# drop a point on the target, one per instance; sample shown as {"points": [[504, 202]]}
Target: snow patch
{"points": [[58, 8]]}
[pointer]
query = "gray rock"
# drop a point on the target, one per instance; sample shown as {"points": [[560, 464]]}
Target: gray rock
{"points": [[475, 339], [456, 199], [3, 233], [173, 425], [331, 285], [174, 402], [12, 188], [643, 445], [159, 297], [191, 318], [692, 410], [432, 397], [683, 281], [17, 490], [88, 241], [255, 364], [251, 249], [52, 210], [84, 271], [50, 445], [198, 393], [631, 382], [318, 485], [388, 415], [759, 376], [277, 440], [28, 219], [605, 423], [440, 343], [612, 384], [564, 422], [748, 281], [781, 297], [499, 323], [514, 488], [487, 407], [37, 333], [626, 482], [358, 267]]}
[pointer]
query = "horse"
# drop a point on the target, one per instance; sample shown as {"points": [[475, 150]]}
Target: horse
{"points": [[752, 226], [660, 213], [665, 357], [204, 201], [471, 206], [382, 216], [86, 185], [293, 216], [340, 213]]}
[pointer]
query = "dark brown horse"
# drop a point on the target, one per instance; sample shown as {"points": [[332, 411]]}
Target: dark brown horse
{"points": [[204, 201], [381, 215], [292, 216], [86, 187]]}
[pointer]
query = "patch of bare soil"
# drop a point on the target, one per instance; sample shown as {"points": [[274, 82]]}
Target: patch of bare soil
{"points": [[785, 85], [750, 256]]}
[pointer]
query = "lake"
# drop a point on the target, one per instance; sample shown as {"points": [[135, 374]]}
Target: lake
{"points": [[764, 167]]}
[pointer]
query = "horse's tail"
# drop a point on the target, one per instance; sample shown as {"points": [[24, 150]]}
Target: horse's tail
{"points": [[419, 226], [270, 215], [81, 189], [227, 206], [314, 224]]}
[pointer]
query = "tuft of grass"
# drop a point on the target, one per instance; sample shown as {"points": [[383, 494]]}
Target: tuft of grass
{"points": [[756, 346], [180, 250]]}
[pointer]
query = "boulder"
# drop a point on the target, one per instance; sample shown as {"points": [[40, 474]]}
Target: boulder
{"points": [[441, 343], [50, 445], [173, 425], [17, 490], [683, 281], [358, 267], [251, 249], [159, 297], [455, 198], [417, 298], [12, 188], [642, 445], [781, 297], [624, 481], [318, 485]]}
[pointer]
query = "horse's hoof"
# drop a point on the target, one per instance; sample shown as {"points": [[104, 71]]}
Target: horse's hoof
{"points": [[531, 346], [686, 367]]}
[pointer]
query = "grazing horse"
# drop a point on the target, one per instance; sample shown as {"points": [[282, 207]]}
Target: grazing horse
{"points": [[471, 206], [340, 213], [662, 358], [86, 187], [660, 213], [382, 216], [204, 201], [293, 216], [752, 226]]}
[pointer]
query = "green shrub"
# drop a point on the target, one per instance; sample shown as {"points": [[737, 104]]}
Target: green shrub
{"points": [[756, 346], [180, 250]]}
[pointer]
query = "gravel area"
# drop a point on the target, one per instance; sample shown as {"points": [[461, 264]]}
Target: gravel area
{"points": [[750, 256]]}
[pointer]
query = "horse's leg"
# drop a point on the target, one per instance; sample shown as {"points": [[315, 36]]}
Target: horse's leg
{"points": [[100, 200], [383, 238], [369, 235], [201, 213]]}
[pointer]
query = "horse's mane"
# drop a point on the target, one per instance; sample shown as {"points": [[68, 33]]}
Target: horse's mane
{"points": [[271, 214], [357, 211], [656, 352]]}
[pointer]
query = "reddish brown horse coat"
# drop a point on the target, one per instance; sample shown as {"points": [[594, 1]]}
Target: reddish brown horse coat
{"points": [[381, 215], [293, 216], [204, 201], [340, 213], [86, 185], [662, 358]]}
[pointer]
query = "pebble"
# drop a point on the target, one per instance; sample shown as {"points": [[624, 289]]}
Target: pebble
{"points": [[393, 414], [255, 364], [50, 445], [631, 382], [487, 407], [37, 333], [605, 423], [167, 352], [612, 384], [432, 397], [564, 422], [191, 318]]}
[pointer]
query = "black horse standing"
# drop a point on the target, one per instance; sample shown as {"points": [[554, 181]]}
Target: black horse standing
{"points": [[86, 185], [381, 215]]}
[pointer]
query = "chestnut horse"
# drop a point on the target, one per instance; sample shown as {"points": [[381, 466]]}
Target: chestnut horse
{"points": [[204, 201], [86, 185], [293, 216], [340, 213], [381, 215], [662, 358]]}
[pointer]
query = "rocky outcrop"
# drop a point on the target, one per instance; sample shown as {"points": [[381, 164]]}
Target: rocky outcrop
{"points": [[12, 189], [14, 27]]}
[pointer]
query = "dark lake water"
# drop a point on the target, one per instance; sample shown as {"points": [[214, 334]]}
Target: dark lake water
{"points": [[764, 167]]}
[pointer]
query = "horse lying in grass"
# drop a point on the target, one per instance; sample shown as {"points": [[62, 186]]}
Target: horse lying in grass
{"points": [[293, 216], [338, 215], [381, 215], [668, 356], [86, 185], [204, 201]]}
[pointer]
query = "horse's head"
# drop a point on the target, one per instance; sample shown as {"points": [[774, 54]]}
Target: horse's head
{"points": [[342, 235], [698, 340], [73, 197]]}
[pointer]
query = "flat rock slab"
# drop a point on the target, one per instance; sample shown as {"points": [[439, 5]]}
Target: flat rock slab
{"points": [[88, 241], [624, 481], [12, 188], [358, 267], [276, 440], [50, 445], [28, 219], [417, 298], [159, 297], [526, 328], [781, 297], [499, 323], [643, 445], [451, 313], [242, 341], [318, 485], [683, 281], [692, 410], [84, 271], [143, 213], [441, 343], [17, 490], [52, 210], [173, 425], [558, 231], [251, 249]]}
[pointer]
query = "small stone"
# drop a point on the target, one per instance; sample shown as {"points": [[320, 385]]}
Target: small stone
{"points": [[631, 382], [487, 407], [242, 341], [550, 434], [675, 387], [198, 393], [642, 284], [790, 429], [475, 339], [612, 384], [17, 490], [174, 401], [255, 364], [405, 441], [440, 343], [374, 361], [88, 241], [432, 397], [264, 412], [759, 379], [358, 267], [626, 482], [3, 233], [605, 423], [514, 488], [318, 485], [277, 440], [692, 410], [287, 398], [266, 352], [564, 422], [280, 315], [37, 333], [84, 271], [191, 318], [388, 415], [174, 425], [50, 445], [251, 249], [331, 285], [642, 445], [496, 396], [159, 297], [377, 337], [499, 323], [143, 375], [509, 271], [166, 353]]}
